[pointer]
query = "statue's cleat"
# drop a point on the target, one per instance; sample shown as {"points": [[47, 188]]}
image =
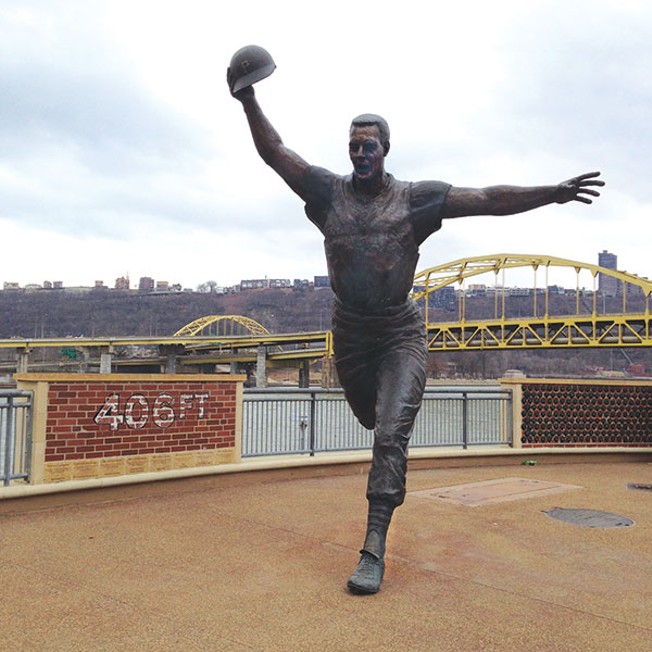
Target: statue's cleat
{"points": [[368, 575]]}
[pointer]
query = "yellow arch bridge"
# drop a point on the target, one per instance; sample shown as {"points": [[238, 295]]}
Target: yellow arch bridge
{"points": [[589, 325], [222, 325]]}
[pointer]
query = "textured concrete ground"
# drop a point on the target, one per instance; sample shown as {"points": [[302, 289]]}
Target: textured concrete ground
{"points": [[259, 562]]}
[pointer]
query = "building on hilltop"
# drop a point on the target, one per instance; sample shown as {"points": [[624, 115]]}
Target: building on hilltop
{"points": [[264, 283], [608, 285], [444, 298], [279, 283], [300, 284], [146, 284], [122, 283], [254, 284]]}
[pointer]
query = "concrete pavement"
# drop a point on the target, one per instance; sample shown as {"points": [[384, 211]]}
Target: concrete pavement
{"points": [[259, 561]]}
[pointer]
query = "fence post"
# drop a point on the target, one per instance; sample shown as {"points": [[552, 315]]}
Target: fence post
{"points": [[465, 420], [9, 441], [313, 421]]}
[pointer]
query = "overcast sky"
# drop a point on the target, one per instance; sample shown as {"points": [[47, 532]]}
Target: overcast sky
{"points": [[122, 152]]}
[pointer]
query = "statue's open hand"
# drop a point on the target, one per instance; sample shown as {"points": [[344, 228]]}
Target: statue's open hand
{"points": [[577, 188], [243, 93]]}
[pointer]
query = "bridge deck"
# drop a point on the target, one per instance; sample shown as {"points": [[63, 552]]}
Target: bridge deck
{"points": [[258, 562]]}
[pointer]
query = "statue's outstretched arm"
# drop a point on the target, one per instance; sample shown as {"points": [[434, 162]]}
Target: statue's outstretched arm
{"points": [[507, 200], [286, 163]]}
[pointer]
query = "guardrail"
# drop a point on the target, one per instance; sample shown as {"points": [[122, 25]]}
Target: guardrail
{"points": [[15, 435], [281, 421]]}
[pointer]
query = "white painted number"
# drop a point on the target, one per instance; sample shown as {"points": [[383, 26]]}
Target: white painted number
{"points": [[136, 411], [109, 413], [163, 412], [136, 414]]}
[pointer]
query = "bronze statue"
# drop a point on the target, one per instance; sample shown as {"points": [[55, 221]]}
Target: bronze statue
{"points": [[373, 225]]}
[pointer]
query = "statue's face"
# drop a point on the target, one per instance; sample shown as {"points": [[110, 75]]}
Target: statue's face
{"points": [[366, 152]]}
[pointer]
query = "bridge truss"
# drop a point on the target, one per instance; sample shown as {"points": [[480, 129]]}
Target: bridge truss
{"points": [[541, 330]]}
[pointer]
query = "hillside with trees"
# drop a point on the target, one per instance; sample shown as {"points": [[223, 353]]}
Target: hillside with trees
{"points": [[103, 312]]}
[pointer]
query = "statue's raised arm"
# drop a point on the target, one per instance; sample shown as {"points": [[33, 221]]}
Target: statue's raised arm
{"points": [[249, 65]]}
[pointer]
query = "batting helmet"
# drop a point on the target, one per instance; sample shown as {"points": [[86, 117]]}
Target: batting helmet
{"points": [[249, 65]]}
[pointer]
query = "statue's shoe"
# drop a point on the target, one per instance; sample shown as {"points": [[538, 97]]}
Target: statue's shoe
{"points": [[368, 575]]}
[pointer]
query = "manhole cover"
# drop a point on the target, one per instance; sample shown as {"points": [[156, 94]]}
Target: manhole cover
{"points": [[590, 518], [476, 494]]}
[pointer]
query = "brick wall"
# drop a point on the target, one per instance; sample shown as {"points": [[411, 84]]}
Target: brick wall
{"points": [[104, 419], [101, 425]]}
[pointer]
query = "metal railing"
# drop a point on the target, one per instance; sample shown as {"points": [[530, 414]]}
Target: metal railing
{"points": [[15, 435], [281, 421]]}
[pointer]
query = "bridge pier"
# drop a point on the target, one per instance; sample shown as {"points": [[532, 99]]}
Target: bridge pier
{"points": [[22, 361], [106, 358], [171, 355], [329, 373], [84, 366], [304, 374], [261, 366]]}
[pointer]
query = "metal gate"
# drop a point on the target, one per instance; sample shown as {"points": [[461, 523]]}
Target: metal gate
{"points": [[15, 435]]}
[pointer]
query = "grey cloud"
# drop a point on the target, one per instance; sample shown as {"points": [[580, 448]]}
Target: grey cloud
{"points": [[109, 119], [85, 145], [121, 145]]}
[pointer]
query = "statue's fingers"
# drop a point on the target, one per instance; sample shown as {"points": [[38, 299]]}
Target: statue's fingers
{"points": [[588, 175]]}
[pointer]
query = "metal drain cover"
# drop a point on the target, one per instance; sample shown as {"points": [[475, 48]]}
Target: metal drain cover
{"points": [[590, 518]]}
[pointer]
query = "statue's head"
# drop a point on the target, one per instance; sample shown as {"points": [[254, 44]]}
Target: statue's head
{"points": [[368, 146], [373, 120]]}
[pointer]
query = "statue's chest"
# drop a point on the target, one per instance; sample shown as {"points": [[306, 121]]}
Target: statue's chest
{"points": [[381, 218]]}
